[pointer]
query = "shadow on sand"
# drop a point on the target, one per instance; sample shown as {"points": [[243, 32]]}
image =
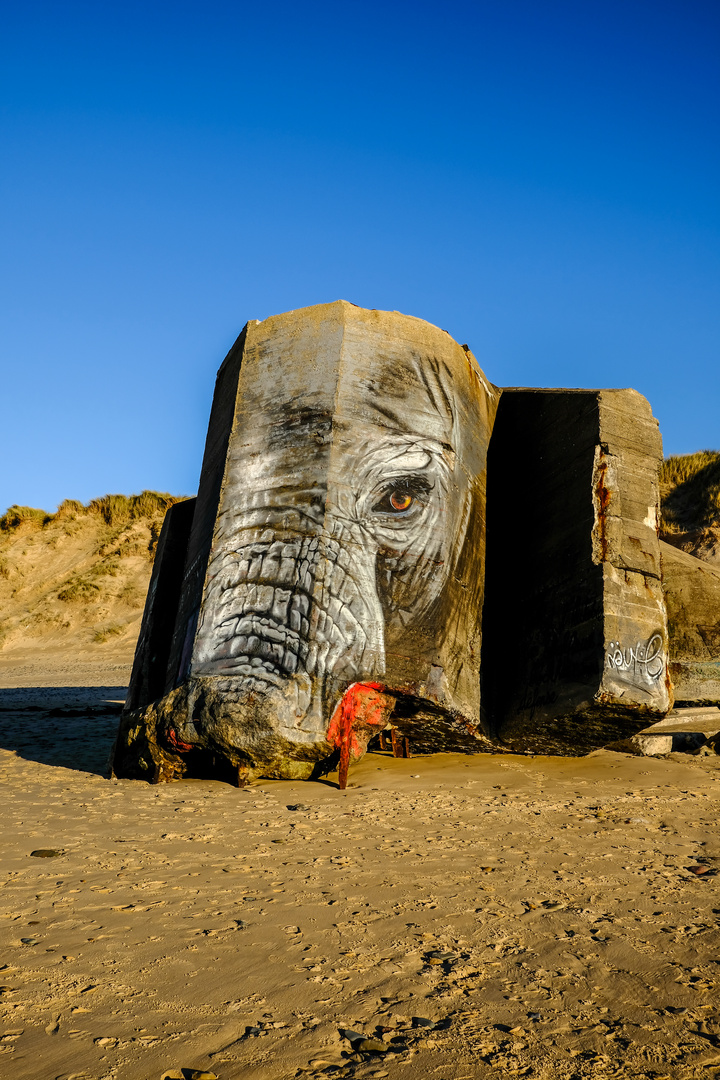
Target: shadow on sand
{"points": [[70, 726]]}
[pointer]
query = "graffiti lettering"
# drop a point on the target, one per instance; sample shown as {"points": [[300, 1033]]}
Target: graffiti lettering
{"points": [[643, 658]]}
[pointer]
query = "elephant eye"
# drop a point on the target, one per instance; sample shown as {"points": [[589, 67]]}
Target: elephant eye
{"points": [[401, 500], [402, 495]]}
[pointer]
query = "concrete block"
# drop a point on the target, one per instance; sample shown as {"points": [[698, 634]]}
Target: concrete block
{"points": [[575, 648], [653, 745], [705, 719], [656, 744], [148, 678]]}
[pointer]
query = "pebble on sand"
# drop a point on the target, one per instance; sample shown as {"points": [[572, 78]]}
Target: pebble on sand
{"points": [[371, 1046]]}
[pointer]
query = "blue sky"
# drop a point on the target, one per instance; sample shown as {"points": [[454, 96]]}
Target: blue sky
{"points": [[539, 178]]}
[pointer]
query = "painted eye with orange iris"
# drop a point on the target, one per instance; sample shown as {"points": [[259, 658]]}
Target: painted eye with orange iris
{"points": [[404, 496], [401, 500]]}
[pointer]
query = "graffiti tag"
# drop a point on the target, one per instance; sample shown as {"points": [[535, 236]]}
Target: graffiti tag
{"points": [[643, 658]]}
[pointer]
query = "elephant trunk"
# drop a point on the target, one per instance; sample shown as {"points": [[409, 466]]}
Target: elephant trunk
{"points": [[281, 607]]}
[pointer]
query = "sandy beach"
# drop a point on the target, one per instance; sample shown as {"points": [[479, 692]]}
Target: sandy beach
{"points": [[446, 916]]}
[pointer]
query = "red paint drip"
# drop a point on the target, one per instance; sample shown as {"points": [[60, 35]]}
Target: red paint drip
{"points": [[363, 709], [176, 743]]}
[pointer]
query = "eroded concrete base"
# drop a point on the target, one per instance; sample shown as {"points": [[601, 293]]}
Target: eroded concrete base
{"points": [[212, 727], [682, 731]]}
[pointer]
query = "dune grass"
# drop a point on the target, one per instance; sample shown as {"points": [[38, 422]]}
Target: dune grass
{"points": [[104, 633], [117, 509], [79, 591], [69, 508], [15, 516], [690, 491], [113, 509]]}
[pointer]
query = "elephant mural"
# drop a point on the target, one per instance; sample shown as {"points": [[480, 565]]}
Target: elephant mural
{"points": [[332, 572]]}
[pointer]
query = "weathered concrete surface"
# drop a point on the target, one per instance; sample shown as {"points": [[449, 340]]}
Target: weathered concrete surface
{"points": [[692, 596], [149, 672], [704, 719], [337, 547], [648, 744], [575, 649], [683, 730]]}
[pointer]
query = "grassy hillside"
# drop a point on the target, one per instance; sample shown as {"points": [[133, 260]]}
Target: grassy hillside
{"points": [[75, 581], [690, 495]]}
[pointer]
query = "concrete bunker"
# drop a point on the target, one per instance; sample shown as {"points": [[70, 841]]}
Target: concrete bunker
{"points": [[384, 544], [332, 565]]}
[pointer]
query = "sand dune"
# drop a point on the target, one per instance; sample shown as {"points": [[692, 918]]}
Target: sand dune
{"points": [[73, 586]]}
